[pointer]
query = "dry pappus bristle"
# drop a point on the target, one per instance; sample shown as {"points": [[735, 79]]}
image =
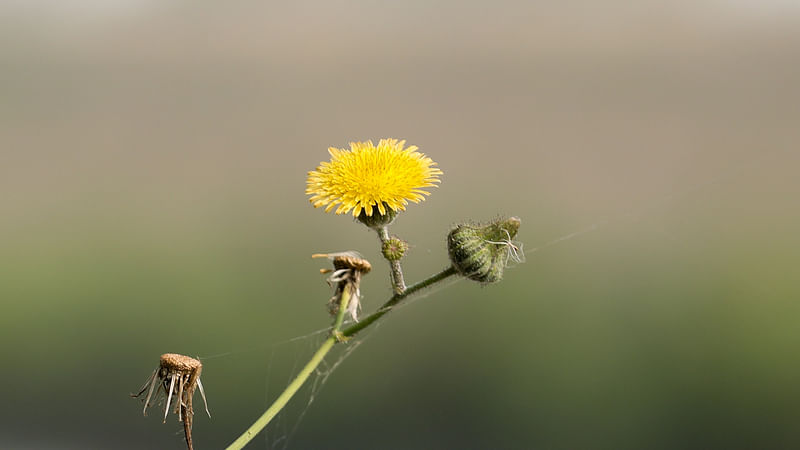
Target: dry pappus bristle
{"points": [[348, 267]]}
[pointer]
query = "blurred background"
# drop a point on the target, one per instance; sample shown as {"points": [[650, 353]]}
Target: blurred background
{"points": [[152, 176]]}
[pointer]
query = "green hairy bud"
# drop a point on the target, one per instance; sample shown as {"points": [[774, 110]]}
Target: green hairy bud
{"points": [[481, 252]]}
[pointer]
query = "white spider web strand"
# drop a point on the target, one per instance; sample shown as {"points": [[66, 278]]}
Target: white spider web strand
{"points": [[312, 390], [593, 227], [320, 380], [325, 370], [427, 292], [280, 424], [262, 346], [566, 237], [638, 212], [322, 374]]}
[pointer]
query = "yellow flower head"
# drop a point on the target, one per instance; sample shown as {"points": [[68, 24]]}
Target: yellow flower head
{"points": [[366, 176]]}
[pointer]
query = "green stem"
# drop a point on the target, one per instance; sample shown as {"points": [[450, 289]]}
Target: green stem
{"points": [[298, 381], [284, 398], [326, 346], [397, 298], [398, 283], [343, 302]]}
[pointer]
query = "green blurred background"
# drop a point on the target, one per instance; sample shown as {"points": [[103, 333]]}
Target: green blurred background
{"points": [[152, 179]]}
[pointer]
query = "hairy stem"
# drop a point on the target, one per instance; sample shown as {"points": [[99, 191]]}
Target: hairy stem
{"points": [[284, 398], [298, 381], [326, 347], [398, 283], [343, 302], [397, 298]]}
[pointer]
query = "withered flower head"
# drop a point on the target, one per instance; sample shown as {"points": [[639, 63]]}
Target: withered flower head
{"points": [[178, 376], [348, 267]]}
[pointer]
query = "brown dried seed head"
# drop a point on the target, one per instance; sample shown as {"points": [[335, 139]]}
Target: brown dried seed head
{"points": [[346, 260], [174, 361], [352, 262]]}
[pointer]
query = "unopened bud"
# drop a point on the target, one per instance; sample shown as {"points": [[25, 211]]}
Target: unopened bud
{"points": [[394, 248], [481, 252]]}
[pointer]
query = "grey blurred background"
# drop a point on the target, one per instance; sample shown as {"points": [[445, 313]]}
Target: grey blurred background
{"points": [[152, 172]]}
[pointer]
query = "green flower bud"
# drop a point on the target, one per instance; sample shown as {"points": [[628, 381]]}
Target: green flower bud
{"points": [[394, 248], [481, 252]]}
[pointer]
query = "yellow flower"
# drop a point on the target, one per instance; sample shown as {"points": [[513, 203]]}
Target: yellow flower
{"points": [[367, 176]]}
